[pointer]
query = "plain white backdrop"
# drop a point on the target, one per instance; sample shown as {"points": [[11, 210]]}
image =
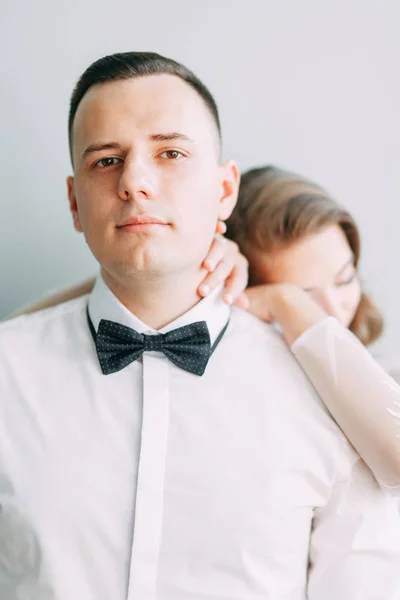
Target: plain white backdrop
{"points": [[310, 85]]}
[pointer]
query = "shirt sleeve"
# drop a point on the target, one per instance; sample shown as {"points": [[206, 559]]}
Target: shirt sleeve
{"points": [[360, 395], [355, 541]]}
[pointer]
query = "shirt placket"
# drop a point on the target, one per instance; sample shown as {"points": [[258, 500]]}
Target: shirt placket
{"points": [[150, 486]]}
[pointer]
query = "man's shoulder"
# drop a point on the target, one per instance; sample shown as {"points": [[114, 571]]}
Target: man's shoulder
{"points": [[264, 342], [288, 388], [260, 333], [32, 325]]}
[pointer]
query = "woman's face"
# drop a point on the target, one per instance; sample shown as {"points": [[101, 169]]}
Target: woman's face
{"points": [[321, 264]]}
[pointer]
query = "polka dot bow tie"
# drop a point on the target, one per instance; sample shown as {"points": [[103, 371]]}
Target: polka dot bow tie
{"points": [[187, 347]]}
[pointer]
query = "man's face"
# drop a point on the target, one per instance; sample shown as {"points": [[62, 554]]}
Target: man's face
{"points": [[148, 187]]}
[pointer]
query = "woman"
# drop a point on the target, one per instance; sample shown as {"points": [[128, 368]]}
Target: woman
{"points": [[303, 250], [307, 248]]}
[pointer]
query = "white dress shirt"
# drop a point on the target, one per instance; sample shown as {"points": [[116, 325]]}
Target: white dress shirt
{"points": [[156, 484], [362, 397]]}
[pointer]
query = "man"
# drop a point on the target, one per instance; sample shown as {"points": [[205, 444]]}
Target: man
{"points": [[153, 446]]}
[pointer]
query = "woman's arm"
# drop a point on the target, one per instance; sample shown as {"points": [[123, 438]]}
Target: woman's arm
{"points": [[85, 287], [362, 398]]}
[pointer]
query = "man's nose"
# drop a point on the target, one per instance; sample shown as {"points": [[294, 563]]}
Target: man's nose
{"points": [[138, 180]]}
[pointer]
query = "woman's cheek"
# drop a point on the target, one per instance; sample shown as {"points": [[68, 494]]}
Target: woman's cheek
{"points": [[353, 299]]}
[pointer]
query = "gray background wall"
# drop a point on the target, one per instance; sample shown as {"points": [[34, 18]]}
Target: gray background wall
{"points": [[311, 85]]}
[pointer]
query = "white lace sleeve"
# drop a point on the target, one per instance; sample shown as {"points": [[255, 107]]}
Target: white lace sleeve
{"points": [[360, 395]]}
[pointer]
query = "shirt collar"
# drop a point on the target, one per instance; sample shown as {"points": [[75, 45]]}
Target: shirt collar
{"points": [[103, 304]]}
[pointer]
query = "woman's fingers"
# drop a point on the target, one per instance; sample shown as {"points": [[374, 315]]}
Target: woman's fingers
{"points": [[221, 227], [217, 276], [287, 304], [219, 263], [242, 301], [236, 283], [260, 302], [224, 263], [220, 249]]}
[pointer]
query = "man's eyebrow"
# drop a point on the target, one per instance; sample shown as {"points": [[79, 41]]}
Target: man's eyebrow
{"points": [[346, 264], [154, 137], [168, 137], [100, 146]]}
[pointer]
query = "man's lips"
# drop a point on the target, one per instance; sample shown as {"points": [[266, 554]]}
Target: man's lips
{"points": [[140, 222]]}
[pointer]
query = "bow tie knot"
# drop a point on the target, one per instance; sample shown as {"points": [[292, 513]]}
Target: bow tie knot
{"points": [[153, 343]]}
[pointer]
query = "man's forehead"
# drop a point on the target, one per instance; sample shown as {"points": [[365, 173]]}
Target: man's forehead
{"points": [[162, 101]]}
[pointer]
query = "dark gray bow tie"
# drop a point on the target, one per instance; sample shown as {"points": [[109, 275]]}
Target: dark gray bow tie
{"points": [[188, 347]]}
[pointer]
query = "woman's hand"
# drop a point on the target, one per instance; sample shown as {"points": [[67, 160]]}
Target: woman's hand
{"points": [[224, 263], [287, 304]]}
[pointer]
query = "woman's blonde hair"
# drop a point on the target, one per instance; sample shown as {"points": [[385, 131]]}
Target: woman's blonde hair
{"points": [[276, 208]]}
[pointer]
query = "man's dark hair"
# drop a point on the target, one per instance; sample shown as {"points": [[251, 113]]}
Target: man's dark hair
{"points": [[128, 65]]}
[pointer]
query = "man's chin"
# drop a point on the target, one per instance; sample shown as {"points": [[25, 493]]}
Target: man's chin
{"points": [[138, 269]]}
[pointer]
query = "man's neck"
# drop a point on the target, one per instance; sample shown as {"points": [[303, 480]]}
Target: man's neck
{"points": [[160, 301]]}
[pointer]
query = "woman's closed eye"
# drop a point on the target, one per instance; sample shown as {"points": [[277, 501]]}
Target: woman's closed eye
{"points": [[340, 283], [347, 281]]}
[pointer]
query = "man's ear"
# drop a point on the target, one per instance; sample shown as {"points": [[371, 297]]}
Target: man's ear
{"points": [[73, 204], [229, 189]]}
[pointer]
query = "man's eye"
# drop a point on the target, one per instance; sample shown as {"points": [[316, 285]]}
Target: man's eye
{"points": [[171, 154], [107, 162]]}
